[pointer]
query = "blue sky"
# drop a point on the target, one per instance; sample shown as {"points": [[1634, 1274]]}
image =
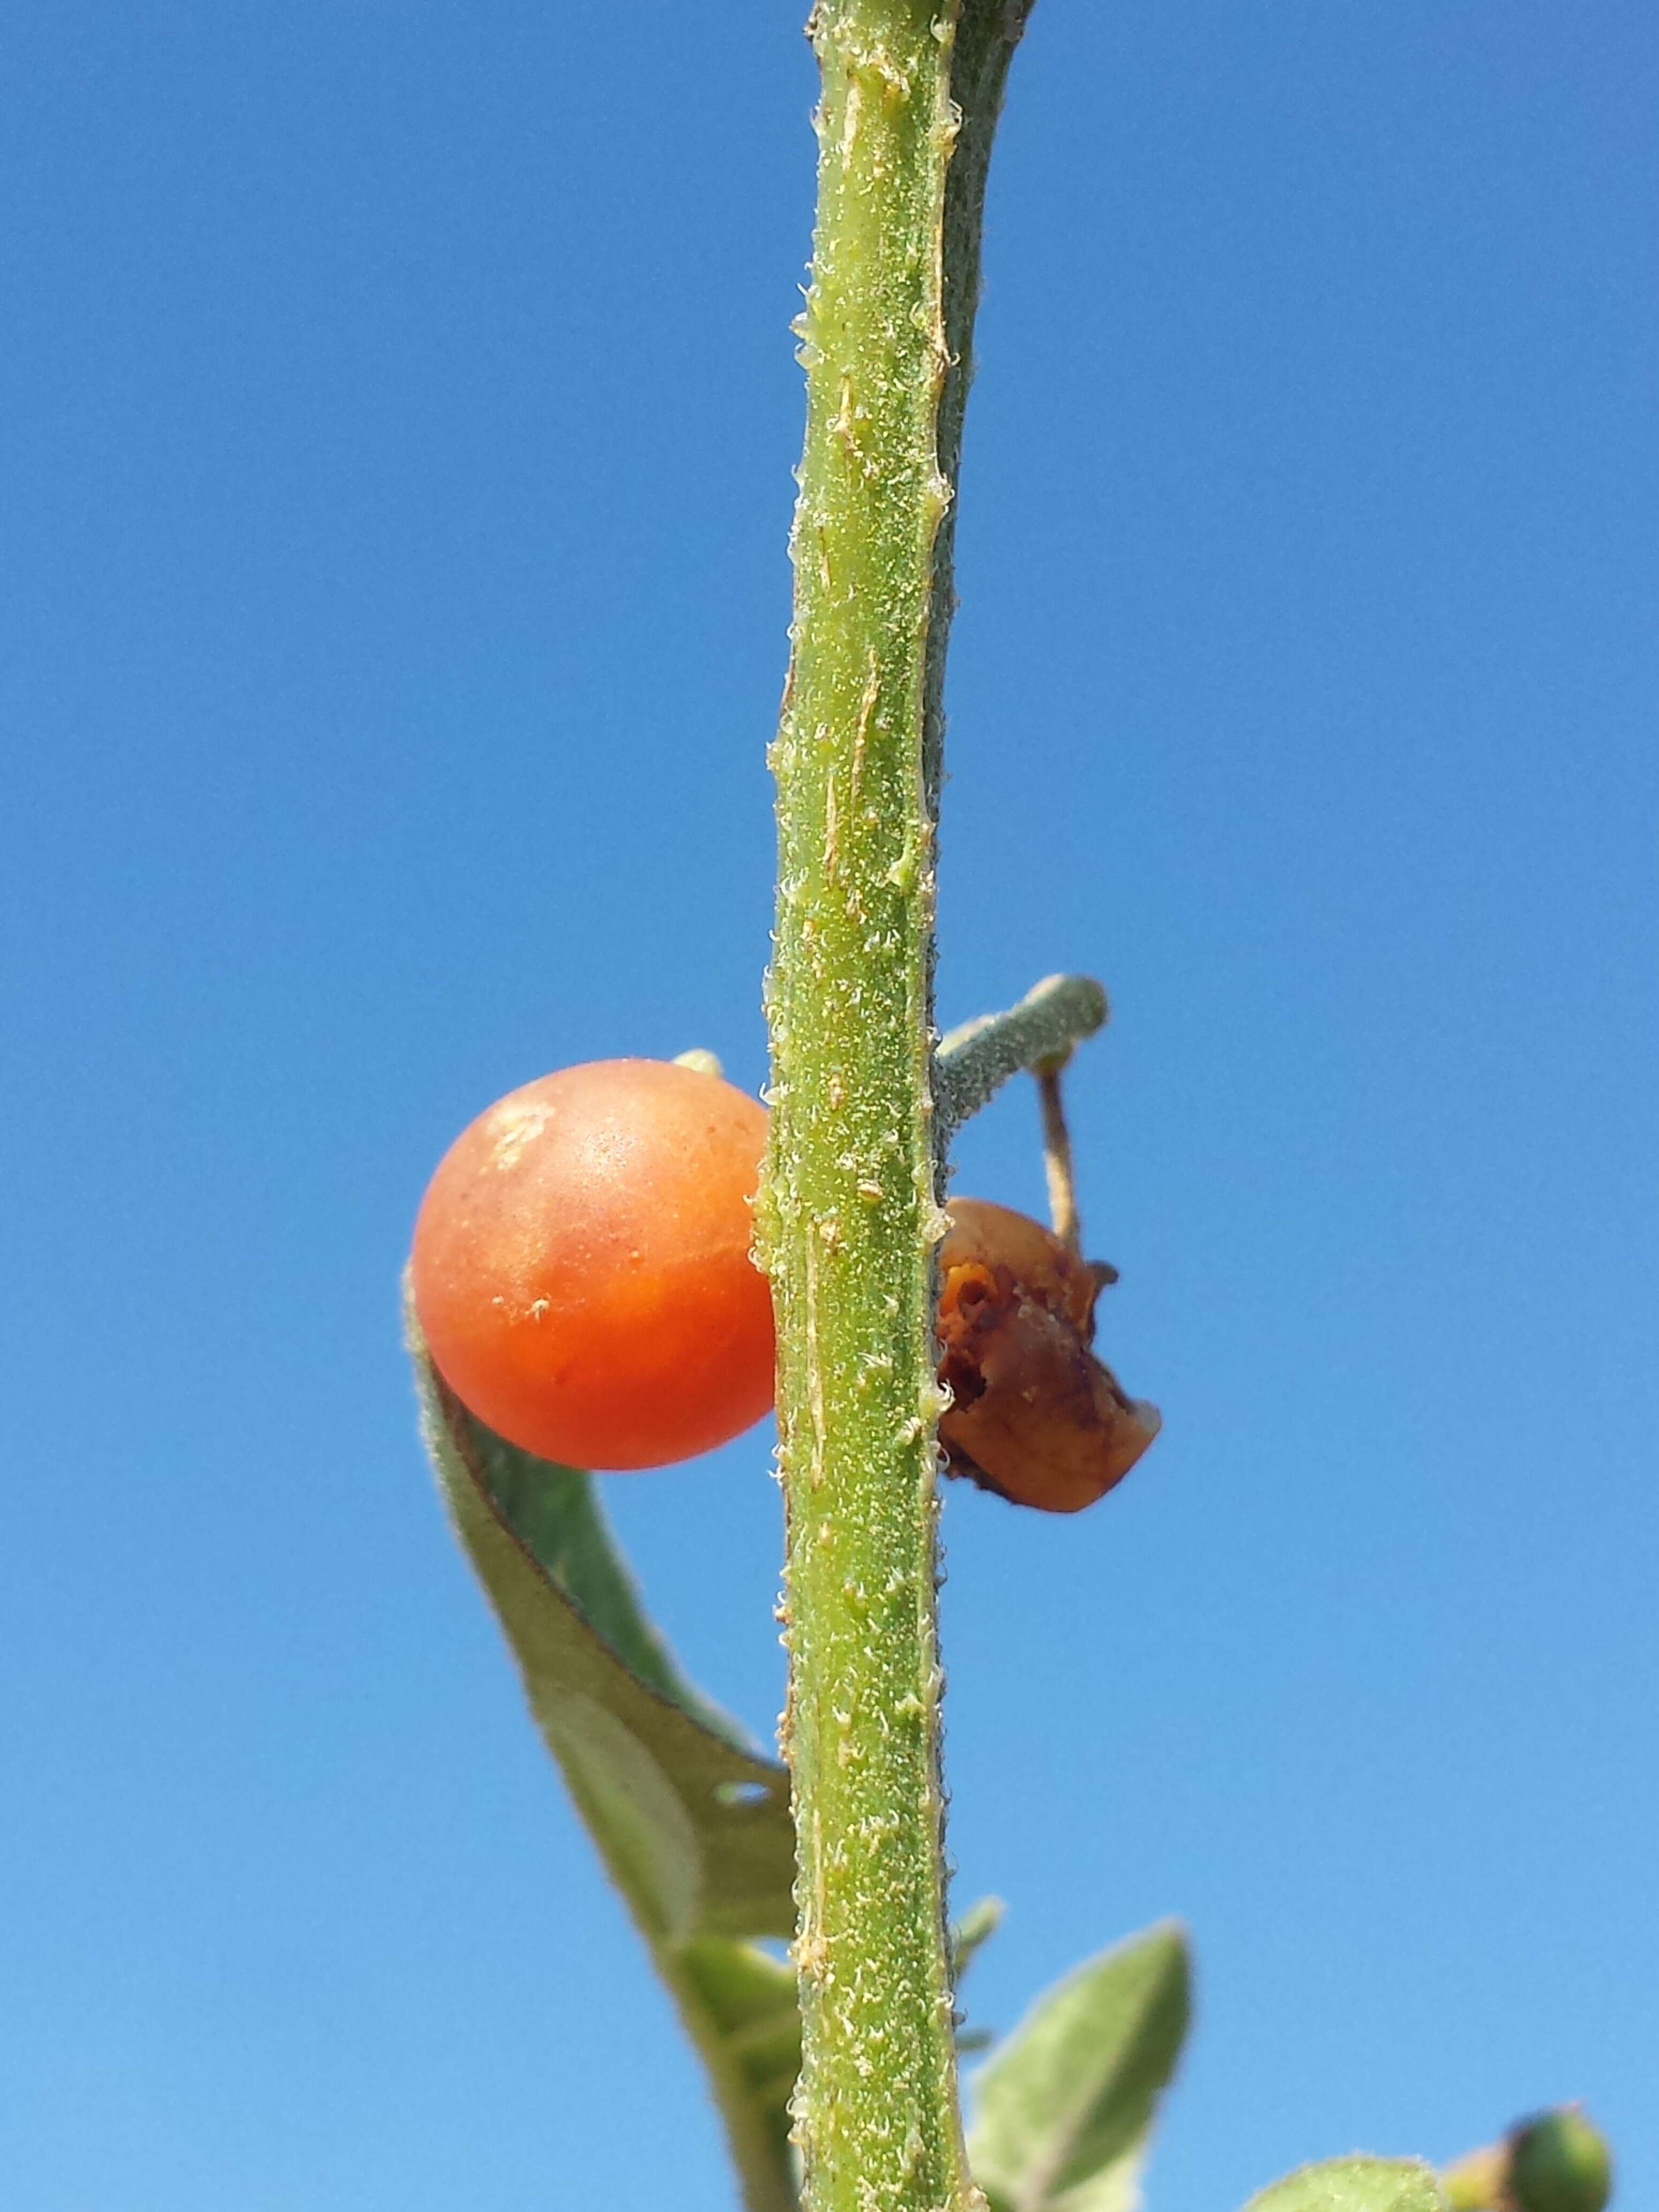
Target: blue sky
{"points": [[398, 410]]}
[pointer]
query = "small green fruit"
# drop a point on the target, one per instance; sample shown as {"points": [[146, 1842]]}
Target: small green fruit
{"points": [[1558, 2163]]}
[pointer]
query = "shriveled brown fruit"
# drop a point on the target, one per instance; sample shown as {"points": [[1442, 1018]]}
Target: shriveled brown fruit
{"points": [[1035, 1416]]}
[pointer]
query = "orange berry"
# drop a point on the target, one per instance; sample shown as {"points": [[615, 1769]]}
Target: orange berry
{"points": [[582, 1266]]}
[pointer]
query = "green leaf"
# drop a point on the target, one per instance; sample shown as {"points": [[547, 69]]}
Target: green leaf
{"points": [[978, 1922], [976, 1926], [753, 2002], [555, 1515], [692, 1823], [1354, 2184], [1065, 2108]]}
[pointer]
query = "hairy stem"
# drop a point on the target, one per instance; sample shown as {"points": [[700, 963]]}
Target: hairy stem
{"points": [[976, 1059], [849, 1211]]}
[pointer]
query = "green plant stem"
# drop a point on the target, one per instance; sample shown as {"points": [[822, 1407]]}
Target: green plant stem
{"points": [[849, 1211]]}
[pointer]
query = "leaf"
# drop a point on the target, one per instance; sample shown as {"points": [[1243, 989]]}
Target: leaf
{"points": [[555, 1515], [978, 1922], [693, 1824], [1065, 2108], [753, 2002], [976, 1926], [1354, 2184]]}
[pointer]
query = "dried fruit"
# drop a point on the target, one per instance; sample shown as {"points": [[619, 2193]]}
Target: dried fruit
{"points": [[1035, 1416]]}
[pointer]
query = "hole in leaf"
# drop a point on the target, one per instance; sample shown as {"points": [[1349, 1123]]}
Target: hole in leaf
{"points": [[741, 1793]]}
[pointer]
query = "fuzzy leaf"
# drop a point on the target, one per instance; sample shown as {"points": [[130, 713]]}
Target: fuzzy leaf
{"points": [[752, 2001], [692, 1823], [976, 1926], [1354, 2184], [1065, 2108]]}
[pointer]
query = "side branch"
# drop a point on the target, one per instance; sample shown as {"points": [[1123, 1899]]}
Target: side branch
{"points": [[975, 1060]]}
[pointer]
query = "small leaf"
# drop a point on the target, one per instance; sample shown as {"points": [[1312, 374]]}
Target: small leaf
{"points": [[1065, 2108], [978, 1922], [1354, 2184], [693, 1824]]}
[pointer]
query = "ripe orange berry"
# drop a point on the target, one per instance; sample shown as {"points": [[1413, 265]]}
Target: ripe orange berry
{"points": [[1035, 1416], [581, 1268]]}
